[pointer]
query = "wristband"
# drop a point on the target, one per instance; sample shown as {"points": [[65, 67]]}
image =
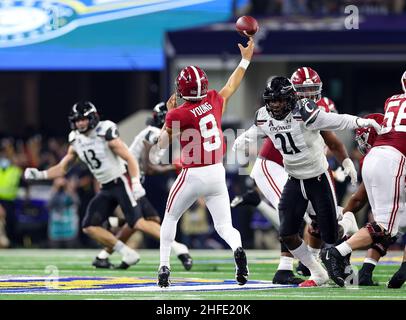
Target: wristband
{"points": [[244, 63]]}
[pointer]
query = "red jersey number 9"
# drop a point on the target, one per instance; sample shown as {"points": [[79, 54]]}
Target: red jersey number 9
{"points": [[209, 133]]}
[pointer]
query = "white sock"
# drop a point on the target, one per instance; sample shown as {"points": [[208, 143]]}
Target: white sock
{"points": [[304, 255], [103, 254], [179, 248], [285, 263], [371, 261], [270, 213], [230, 235], [168, 233], [344, 248], [315, 252]]}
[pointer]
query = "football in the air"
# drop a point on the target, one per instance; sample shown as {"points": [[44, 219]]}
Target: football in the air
{"points": [[247, 26]]}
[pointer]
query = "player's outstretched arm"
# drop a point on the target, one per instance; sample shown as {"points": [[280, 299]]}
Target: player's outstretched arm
{"points": [[236, 77], [165, 137], [317, 119], [56, 171]]}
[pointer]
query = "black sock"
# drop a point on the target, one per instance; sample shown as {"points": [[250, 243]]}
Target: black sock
{"points": [[368, 267], [403, 267]]}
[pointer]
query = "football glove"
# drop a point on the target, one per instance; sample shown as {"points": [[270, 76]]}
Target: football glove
{"points": [[349, 170], [363, 123], [137, 188], [35, 174], [241, 141]]}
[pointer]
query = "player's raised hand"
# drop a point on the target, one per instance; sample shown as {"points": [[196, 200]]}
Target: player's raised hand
{"points": [[171, 103], [248, 51]]}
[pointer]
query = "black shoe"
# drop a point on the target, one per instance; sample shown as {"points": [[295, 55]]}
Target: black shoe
{"points": [[186, 260], [365, 279], [303, 270], [285, 277], [241, 272], [335, 264], [250, 198], [102, 263], [397, 280], [122, 266], [163, 277]]}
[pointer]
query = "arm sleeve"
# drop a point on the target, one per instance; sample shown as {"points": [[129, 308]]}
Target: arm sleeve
{"points": [[331, 121]]}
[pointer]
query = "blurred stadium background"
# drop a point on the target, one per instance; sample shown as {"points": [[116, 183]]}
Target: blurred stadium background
{"points": [[124, 55]]}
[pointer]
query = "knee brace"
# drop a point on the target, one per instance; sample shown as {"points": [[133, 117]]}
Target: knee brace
{"points": [[380, 237]]}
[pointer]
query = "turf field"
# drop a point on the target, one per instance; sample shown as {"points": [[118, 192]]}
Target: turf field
{"points": [[68, 274]]}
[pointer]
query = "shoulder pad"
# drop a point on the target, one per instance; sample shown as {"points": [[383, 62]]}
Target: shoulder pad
{"points": [[107, 129], [261, 116], [307, 109], [72, 136]]}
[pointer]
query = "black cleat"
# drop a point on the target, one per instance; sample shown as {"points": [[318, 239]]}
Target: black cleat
{"points": [[335, 264], [303, 270], [365, 278], [285, 277], [186, 260], [397, 280], [163, 277], [102, 263], [122, 266], [250, 198], [241, 269]]}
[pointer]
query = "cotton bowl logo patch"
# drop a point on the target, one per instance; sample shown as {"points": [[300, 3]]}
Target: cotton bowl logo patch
{"points": [[24, 22], [73, 285]]}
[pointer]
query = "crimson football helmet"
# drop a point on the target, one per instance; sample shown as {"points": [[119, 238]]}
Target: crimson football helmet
{"points": [[366, 137], [192, 83], [307, 83], [403, 81]]}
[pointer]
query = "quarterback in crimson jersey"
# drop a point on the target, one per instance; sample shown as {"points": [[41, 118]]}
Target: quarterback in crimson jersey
{"points": [[197, 122], [383, 174]]}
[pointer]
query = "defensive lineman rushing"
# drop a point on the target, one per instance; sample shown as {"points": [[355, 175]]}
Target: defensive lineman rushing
{"points": [[198, 122], [294, 128], [383, 174], [270, 177], [143, 148], [97, 144]]}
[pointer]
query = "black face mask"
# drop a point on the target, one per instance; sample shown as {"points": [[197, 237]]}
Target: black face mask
{"points": [[278, 113]]}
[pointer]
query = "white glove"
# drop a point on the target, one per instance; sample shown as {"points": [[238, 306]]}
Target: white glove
{"points": [[241, 142], [138, 189], [35, 174], [339, 174], [349, 170], [363, 123]]}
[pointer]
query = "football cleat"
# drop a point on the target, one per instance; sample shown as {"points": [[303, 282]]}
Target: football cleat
{"points": [[102, 263], [335, 264], [241, 268], [397, 280], [250, 198], [186, 260], [163, 277], [286, 277], [130, 258], [302, 270]]}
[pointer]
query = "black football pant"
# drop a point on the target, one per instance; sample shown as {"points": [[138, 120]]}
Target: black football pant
{"points": [[293, 204]]}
